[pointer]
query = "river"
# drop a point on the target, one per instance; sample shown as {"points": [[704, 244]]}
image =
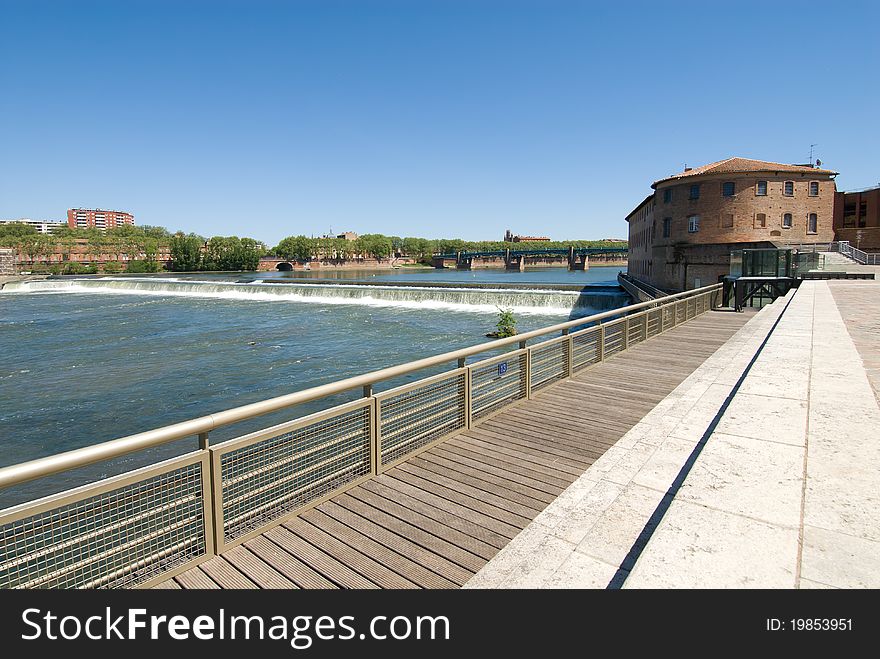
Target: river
{"points": [[85, 360]]}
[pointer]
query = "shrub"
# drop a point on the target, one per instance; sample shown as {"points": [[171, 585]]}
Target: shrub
{"points": [[506, 325], [112, 267], [136, 266]]}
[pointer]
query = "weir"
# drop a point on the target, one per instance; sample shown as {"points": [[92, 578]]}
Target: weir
{"points": [[479, 299]]}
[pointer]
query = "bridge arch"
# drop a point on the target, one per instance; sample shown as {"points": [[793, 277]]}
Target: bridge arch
{"points": [[284, 266]]}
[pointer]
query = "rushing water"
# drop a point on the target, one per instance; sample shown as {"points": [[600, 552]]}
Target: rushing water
{"points": [[88, 360]]}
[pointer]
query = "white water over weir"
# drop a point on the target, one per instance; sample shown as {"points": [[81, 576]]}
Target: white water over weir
{"points": [[481, 300]]}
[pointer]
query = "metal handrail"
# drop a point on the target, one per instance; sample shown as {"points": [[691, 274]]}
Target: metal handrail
{"points": [[53, 464]]}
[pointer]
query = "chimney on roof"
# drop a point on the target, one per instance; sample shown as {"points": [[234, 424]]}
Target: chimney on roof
{"points": [[687, 169]]}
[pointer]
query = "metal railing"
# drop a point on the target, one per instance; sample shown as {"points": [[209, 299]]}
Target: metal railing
{"points": [[147, 525], [858, 255], [840, 247]]}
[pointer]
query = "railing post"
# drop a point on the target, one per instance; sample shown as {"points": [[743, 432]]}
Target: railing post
{"points": [[625, 333], [601, 344], [375, 430], [462, 363], [647, 314], [212, 492], [569, 349], [528, 354]]}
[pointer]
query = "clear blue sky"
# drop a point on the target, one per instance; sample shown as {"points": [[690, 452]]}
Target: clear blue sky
{"points": [[416, 117]]}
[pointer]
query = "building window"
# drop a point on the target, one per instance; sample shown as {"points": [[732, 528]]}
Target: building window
{"points": [[812, 223], [849, 215], [667, 195], [728, 188], [695, 191], [727, 220], [814, 188], [693, 223], [863, 214], [786, 221], [788, 188], [761, 189], [667, 226], [760, 221]]}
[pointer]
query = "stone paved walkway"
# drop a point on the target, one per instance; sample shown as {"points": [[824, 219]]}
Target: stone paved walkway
{"points": [[759, 470]]}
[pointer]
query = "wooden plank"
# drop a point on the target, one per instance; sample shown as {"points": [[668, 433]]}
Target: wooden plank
{"points": [[195, 578], [370, 569], [469, 498], [225, 574], [365, 543], [171, 584], [584, 446], [257, 570], [534, 458], [402, 545], [447, 549], [485, 464], [479, 489], [539, 473], [338, 573], [478, 477], [518, 442], [435, 522], [496, 530], [288, 564]]}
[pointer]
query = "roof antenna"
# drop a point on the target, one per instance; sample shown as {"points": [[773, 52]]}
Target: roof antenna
{"points": [[811, 155]]}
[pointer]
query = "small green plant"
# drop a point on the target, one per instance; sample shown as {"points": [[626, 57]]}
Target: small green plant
{"points": [[506, 325]]}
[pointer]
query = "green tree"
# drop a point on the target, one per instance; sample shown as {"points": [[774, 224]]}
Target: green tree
{"points": [[186, 252], [376, 245], [12, 234], [294, 248]]}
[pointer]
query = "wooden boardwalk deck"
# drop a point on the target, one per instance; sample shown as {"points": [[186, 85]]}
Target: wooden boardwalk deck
{"points": [[436, 519]]}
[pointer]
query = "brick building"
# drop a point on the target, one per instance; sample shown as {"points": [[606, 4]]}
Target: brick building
{"points": [[509, 237], [83, 218], [681, 235], [857, 218]]}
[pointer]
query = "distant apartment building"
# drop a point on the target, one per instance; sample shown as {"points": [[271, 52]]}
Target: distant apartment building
{"points": [[348, 235], [857, 218], [681, 235], [42, 226], [509, 237], [84, 218]]}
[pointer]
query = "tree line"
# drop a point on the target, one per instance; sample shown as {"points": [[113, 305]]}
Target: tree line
{"points": [[378, 246], [148, 247]]}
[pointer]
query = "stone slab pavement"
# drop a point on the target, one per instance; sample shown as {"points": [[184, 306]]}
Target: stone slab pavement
{"points": [[759, 470]]}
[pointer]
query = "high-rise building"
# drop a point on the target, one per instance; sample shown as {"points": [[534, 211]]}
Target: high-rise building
{"points": [[84, 218]]}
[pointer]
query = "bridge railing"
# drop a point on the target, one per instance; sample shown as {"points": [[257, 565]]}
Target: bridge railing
{"points": [[149, 524]]}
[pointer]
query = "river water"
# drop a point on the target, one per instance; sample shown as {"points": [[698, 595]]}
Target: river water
{"points": [[86, 360]]}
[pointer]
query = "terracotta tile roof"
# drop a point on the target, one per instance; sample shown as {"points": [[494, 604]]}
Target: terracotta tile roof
{"points": [[743, 165]]}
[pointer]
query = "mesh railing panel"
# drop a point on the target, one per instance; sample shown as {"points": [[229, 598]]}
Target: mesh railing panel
{"points": [[690, 308], [549, 363], [636, 330], [496, 385], [273, 477], [680, 316], [585, 349], [655, 319], [668, 317], [613, 339], [118, 538], [416, 417]]}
